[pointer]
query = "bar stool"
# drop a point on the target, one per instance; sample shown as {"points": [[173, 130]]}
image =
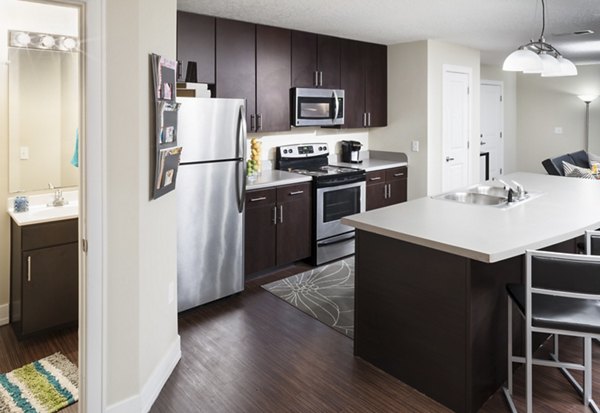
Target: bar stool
{"points": [[592, 242], [561, 296]]}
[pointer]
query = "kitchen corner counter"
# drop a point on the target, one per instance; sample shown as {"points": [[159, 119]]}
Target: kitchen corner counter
{"points": [[273, 177]]}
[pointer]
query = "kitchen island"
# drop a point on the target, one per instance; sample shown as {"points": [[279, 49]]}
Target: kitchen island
{"points": [[430, 304]]}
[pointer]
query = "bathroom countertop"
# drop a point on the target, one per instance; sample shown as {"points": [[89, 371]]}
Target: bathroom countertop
{"points": [[39, 212]]}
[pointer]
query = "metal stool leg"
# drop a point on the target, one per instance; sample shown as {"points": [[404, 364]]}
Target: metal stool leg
{"points": [[529, 369], [587, 362], [510, 348]]}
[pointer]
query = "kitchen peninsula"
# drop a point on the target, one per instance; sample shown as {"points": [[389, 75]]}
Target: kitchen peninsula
{"points": [[430, 304]]}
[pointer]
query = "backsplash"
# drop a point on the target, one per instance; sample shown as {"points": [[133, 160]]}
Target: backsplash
{"points": [[332, 137]]}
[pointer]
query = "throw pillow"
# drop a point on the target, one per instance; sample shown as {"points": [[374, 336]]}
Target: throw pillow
{"points": [[594, 162], [577, 172]]}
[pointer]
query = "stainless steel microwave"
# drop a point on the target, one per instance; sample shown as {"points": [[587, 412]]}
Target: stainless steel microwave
{"points": [[317, 107]]}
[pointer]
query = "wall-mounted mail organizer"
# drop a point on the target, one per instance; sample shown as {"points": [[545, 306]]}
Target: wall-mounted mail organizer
{"points": [[166, 151]]}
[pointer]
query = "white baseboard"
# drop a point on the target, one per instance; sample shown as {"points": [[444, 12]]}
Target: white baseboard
{"points": [[4, 318], [151, 389], [159, 376]]}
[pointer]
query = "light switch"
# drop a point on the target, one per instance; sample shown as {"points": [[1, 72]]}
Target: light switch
{"points": [[558, 130], [24, 153], [415, 146]]}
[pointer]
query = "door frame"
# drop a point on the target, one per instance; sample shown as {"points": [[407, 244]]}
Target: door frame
{"points": [[501, 84], [446, 68]]}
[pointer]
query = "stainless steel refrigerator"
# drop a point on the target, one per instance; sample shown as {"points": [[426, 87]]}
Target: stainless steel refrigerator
{"points": [[211, 185]]}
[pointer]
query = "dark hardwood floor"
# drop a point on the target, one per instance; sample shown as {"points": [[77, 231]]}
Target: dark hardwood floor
{"points": [[255, 353], [15, 353]]}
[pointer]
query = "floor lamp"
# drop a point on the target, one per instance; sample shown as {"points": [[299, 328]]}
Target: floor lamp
{"points": [[587, 99]]}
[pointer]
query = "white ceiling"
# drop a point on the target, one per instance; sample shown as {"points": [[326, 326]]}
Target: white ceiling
{"points": [[496, 27]]}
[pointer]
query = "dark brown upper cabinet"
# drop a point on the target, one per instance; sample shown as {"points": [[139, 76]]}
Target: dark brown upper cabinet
{"points": [[315, 60], [273, 66], [196, 43], [364, 80], [236, 64]]}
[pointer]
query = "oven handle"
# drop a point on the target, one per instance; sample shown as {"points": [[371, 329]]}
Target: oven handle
{"points": [[336, 240], [340, 187], [337, 106]]}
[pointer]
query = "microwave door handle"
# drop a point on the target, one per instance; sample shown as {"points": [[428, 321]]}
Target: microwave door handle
{"points": [[337, 107]]}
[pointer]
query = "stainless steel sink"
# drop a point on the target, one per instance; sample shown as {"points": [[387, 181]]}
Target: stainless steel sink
{"points": [[489, 190], [473, 198]]}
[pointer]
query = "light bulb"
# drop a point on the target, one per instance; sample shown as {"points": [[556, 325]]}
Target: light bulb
{"points": [[587, 98], [47, 41], [69, 43], [22, 39]]}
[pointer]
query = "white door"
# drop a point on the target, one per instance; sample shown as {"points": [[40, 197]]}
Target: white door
{"points": [[492, 125], [455, 129]]}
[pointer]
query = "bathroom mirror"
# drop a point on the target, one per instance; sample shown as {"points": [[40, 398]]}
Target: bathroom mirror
{"points": [[44, 118]]}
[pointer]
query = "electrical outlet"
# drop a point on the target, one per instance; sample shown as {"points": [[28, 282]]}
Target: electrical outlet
{"points": [[24, 153], [415, 146], [558, 130], [171, 292]]}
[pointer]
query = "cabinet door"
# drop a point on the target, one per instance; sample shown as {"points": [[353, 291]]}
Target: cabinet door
{"points": [[260, 231], [375, 56], [397, 179], [376, 190], [273, 68], [294, 223], [50, 287], [352, 80], [196, 43], [329, 61], [304, 59], [236, 63]]}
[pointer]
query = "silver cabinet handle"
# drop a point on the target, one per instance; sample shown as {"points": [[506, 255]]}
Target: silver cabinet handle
{"points": [[29, 268], [316, 78], [281, 214], [365, 119], [251, 123], [258, 121], [399, 174], [275, 215], [260, 198], [385, 196], [296, 192], [375, 178], [448, 159], [389, 190], [320, 78], [369, 118]]}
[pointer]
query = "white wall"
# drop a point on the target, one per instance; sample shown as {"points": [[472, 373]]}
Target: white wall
{"points": [[546, 103], [440, 54], [509, 100], [407, 112], [141, 325]]}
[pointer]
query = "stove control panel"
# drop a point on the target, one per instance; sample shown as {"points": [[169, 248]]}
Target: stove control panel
{"points": [[304, 150]]}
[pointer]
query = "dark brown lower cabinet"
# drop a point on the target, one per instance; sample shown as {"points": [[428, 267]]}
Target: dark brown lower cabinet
{"points": [[278, 226], [386, 187], [44, 276]]}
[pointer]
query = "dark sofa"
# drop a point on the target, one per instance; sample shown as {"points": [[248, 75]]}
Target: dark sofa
{"points": [[554, 166]]}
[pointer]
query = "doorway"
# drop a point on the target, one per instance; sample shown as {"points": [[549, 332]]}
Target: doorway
{"points": [[43, 52], [456, 126], [492, 126]]}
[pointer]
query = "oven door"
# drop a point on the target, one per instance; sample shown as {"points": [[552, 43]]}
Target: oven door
{"points": [[317, 107], [336, 202]]}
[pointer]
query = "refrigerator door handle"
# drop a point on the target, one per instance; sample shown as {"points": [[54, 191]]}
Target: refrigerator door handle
{"points": [[242, 158]]}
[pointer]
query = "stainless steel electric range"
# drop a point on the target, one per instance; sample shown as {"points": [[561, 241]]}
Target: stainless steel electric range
{"points": [[337, 192]]}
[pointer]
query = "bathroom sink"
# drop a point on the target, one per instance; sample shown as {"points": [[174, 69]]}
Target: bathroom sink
{"points": [[41, 213], [472, 198]]}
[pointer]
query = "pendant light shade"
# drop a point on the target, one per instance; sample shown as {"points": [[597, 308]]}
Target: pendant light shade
{"points": [[539, 57], [521, 60]]}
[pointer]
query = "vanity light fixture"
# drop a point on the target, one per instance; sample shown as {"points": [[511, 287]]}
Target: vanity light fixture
{"points": [[539, 57], [43, 41]]}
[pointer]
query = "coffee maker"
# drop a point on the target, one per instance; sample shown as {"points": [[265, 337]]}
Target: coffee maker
{"points": [[351, 151]]}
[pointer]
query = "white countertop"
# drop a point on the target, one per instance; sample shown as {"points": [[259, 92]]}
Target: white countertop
{"points": [[372, 164], [273, 177], [39, 212], [564, 210]]}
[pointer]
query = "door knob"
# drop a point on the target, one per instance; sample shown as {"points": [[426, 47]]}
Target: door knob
{"points": [[448, 159], [483, 143]]}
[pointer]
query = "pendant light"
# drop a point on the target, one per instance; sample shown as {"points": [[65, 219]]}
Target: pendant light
{"points": [[539, 57]]}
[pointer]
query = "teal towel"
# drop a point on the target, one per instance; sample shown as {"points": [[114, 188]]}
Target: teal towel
{"points": [[75, 158]]}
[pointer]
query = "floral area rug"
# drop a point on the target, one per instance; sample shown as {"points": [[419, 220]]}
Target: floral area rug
{"points": [[44, 386], [325, 293]]}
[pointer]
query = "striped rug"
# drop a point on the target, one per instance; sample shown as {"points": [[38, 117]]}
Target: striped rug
{"points": [[44, 386]]}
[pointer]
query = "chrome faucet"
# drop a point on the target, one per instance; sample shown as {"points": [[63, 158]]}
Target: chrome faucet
{"points": [[58, 200], [518, 193]]}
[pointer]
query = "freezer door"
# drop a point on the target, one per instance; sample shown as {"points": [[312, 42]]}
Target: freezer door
{"points": [[210, 250], [210, 129]]}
